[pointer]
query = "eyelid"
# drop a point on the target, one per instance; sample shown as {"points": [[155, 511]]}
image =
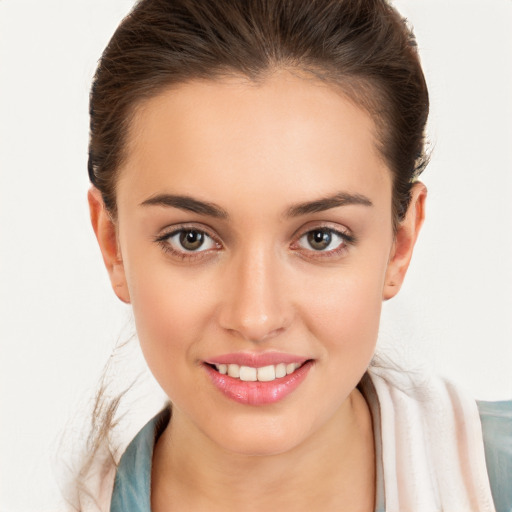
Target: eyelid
{"points": [[171, 230], [343, 231]]}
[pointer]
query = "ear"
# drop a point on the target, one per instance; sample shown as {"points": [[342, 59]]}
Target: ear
{"points": [[404, 242], [106, 234]]}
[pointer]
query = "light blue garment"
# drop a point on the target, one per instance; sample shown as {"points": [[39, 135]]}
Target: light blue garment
{"points": [[496, 420], [133, 479]]}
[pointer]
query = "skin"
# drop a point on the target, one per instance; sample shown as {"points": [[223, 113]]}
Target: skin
{"points": [[256, 151]]}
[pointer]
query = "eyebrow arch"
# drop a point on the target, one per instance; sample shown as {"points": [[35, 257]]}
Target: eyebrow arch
{"points": [[320, 205], [188, 204]]}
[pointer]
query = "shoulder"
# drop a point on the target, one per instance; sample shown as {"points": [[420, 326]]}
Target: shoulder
{"points": [[496, 418], [132, 484]]}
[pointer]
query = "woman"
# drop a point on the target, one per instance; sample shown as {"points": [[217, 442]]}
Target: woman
{"points": [[255, 198]]}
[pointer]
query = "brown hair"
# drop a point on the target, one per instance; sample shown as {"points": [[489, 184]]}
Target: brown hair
{"points": [[362, 46]]}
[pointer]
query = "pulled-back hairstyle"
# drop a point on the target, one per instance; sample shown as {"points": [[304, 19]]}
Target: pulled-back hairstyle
{"points": [[363, 47]]}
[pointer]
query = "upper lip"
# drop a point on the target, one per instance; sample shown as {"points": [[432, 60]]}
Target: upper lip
{"points": [[257, 360]]}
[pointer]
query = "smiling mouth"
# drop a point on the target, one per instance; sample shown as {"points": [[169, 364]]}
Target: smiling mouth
{"points": [[258, 385], [263, 374]]}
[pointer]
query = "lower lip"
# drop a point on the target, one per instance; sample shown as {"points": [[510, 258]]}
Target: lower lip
{"points": [[258, 393]]}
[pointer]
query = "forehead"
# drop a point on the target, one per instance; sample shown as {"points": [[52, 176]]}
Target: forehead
{"points": [[287, 136]]}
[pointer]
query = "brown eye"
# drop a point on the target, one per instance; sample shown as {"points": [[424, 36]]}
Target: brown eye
{"points": [[188, 240], [191, 240], [323, 240], [319, 239]]}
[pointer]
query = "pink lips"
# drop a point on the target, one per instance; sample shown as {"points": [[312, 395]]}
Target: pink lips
{"points": [[257, 393], [256, 360]]}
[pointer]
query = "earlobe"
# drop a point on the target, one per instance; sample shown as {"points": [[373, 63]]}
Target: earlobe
{"points": [[405, 239], [106, 234]]}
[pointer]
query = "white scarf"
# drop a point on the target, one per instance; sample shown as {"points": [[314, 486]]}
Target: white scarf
{"points": [[431, 449]]}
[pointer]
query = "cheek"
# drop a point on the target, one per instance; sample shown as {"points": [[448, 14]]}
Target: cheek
{"points": [[346, 322], [343, 310], [172, 311]]}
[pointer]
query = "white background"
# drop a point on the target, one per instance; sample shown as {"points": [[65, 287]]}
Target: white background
{"points": [[58, 317]]}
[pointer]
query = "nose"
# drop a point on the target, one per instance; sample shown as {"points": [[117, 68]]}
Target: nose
{"points": [[255, 305]]}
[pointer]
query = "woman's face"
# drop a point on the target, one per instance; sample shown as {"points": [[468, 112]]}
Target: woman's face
{"points": [[254, 230]]}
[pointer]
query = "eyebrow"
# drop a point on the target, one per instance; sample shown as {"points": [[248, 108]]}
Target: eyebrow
{"points": [[188, 204], [326, 203]]}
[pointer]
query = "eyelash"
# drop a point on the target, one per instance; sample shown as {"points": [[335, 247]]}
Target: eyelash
{"points": [[191, 255]]}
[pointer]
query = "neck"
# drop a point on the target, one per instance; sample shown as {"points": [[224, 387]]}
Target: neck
{"points": [[333, 469]]}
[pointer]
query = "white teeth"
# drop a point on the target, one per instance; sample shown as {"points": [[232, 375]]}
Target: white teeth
{"points": [[234, 370], [263, 374], [280, 370], [248, 374], [290, 368], [267, 373]]}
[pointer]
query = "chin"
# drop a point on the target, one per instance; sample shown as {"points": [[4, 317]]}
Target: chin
{"points": [[261, 442], [259, 431]]}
